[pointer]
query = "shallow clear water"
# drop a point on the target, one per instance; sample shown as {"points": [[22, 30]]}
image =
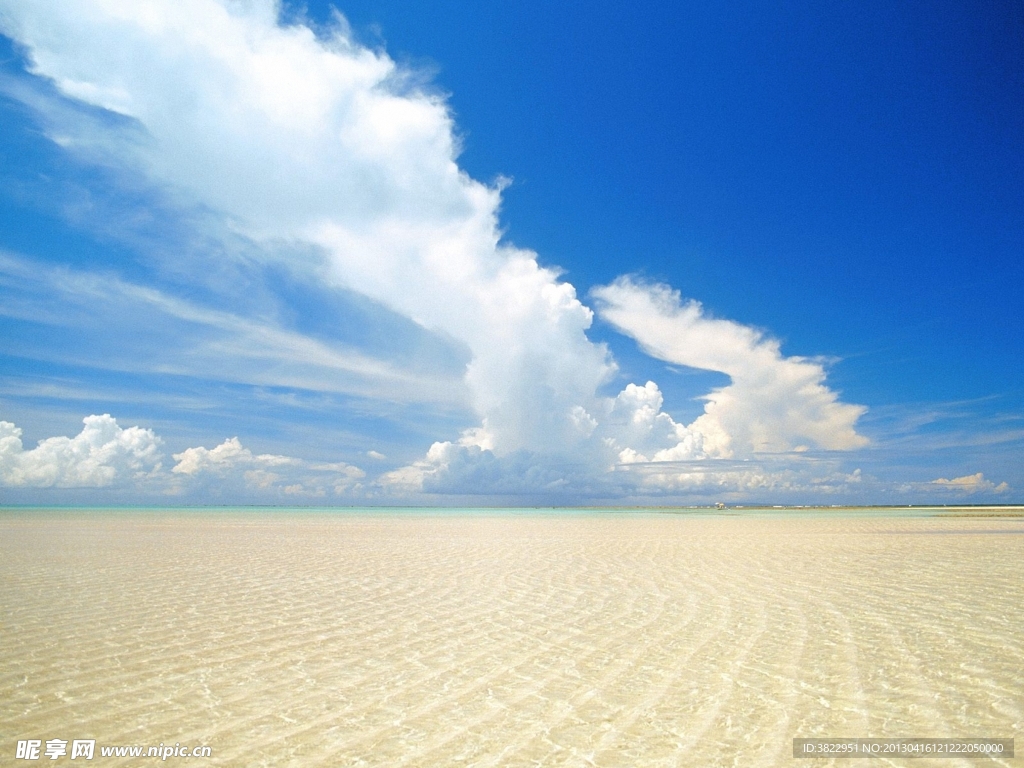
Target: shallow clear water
{"points": [[486, 638]]}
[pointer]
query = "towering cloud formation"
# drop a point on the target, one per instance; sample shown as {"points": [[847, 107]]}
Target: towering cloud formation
{"points": [[299, 138], [317, 143]]}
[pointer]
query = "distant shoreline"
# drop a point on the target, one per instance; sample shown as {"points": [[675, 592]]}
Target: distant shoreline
{"points": [[916, 510]]}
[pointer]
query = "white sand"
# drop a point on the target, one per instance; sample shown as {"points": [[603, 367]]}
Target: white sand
{"points": [[447, 640]]}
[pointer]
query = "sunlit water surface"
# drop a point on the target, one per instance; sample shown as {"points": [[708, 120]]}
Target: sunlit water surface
{"points": [[437, 638]]}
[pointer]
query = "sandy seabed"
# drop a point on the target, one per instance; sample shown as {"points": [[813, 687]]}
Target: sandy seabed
{"points": [[446, 639]]}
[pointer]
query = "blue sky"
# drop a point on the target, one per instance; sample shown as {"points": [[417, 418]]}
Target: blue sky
{"points": [[443, 253]]}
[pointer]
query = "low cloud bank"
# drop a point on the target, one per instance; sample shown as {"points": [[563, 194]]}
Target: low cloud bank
{"points": [[102, 454], [969, 484], [130, 461], [230, 462]]}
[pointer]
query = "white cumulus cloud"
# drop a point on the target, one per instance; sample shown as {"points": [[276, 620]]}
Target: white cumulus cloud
{"points": [[971, 484], [105, 455], [231, 461], [102, 454], [224, 458], [636, 428], [773, 403], [299, 138]]}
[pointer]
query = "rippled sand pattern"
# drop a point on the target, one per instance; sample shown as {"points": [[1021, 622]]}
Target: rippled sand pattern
{"points": [[447, 640]]}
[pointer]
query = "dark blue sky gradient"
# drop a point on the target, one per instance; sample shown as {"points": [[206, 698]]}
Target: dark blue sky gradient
{"points": [[848, 175]]}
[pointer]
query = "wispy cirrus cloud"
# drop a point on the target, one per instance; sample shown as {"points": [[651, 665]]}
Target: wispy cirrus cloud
{"points": [[122, 325]]}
